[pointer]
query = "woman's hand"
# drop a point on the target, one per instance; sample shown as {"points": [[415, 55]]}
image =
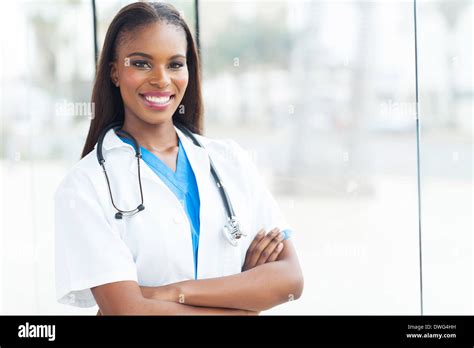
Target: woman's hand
{"points": [[264, 248]]}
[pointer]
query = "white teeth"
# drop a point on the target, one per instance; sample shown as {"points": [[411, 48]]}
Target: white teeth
{"points": [[158, 100]]}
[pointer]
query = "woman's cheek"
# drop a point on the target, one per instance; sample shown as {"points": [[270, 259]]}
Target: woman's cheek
{"points": [[132, 79], [181, 81], [129, 83]]}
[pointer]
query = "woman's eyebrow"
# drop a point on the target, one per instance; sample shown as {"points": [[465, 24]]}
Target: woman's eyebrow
{"points": [[177, 56], [150, 57], [140, 54]]}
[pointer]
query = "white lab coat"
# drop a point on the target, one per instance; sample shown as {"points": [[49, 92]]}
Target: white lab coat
{"points": [[154, 247]]}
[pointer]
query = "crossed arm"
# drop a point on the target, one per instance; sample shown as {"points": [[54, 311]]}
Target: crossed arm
{"points": [[270, 277]]}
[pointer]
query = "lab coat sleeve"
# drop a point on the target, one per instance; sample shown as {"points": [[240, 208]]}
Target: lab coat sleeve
{"points": [[88, 251], [266, 212]]}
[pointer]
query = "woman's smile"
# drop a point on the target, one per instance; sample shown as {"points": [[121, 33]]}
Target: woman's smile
{"points": [[157, 100]]}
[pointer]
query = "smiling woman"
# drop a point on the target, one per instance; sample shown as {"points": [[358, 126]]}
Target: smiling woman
{"points": [[174, 257]]}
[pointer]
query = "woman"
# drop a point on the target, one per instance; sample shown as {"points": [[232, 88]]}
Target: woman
{"points": [[170, 255]]}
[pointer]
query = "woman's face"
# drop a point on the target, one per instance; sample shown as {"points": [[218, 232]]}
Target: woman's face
{"points": [[151, 72]]}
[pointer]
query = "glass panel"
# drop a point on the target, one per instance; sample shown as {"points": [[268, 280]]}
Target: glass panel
{"points": [[446, 100], [322, 95], [47, 68]]}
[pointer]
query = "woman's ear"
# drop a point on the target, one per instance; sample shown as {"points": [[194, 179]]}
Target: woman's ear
{"points": [[114, 73]]}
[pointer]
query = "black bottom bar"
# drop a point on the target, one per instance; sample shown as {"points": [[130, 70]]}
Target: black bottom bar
{"points": [[291, 330]]}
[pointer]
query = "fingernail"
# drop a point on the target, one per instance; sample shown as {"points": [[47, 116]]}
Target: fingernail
{"points": [[261, 233], [280, 246]]}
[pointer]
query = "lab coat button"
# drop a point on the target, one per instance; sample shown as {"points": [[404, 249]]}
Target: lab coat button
{"points": [[177, 220]]}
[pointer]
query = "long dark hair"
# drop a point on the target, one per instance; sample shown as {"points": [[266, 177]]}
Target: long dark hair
{"points": [[106, 97]]}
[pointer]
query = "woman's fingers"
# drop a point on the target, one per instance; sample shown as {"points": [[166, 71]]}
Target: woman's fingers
{"points": [[276, 252], [260, 248], [270, 248], [263, 248], [251, 249], [256, 240]]}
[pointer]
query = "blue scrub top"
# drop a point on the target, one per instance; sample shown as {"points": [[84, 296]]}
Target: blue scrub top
{"points": [[183, 184]]}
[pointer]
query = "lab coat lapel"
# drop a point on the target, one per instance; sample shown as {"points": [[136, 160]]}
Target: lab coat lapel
{"points": [[199, 160], [145, 171]]}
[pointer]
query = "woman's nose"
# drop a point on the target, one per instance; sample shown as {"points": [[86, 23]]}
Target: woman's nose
{"points": [[160, 78]]}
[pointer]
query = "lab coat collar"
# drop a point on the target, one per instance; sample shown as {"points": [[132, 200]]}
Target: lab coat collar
{"points": [[112, 141]]}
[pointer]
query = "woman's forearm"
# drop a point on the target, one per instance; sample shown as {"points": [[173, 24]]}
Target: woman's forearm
{"points": [[257, 289], [153, 307], [148, 306]]}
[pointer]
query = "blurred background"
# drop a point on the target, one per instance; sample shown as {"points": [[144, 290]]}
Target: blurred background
{"points": [[322, 95]]}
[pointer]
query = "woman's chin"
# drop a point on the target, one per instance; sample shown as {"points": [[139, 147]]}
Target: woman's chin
{"points": [[155, 118]]}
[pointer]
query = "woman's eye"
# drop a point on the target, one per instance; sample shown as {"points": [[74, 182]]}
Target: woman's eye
{"points": [[141, 64], [176, 65]]}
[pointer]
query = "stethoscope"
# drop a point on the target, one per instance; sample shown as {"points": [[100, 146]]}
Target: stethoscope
{"points": [[231, 229]]}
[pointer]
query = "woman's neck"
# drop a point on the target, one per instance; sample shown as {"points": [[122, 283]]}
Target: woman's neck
{"points": [[159, 138]]}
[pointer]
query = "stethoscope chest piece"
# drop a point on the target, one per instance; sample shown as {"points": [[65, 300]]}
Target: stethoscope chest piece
{"points": [[232, 231]]}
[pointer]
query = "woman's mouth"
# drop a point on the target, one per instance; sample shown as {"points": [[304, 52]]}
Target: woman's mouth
{"points": [[157, 102]]}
